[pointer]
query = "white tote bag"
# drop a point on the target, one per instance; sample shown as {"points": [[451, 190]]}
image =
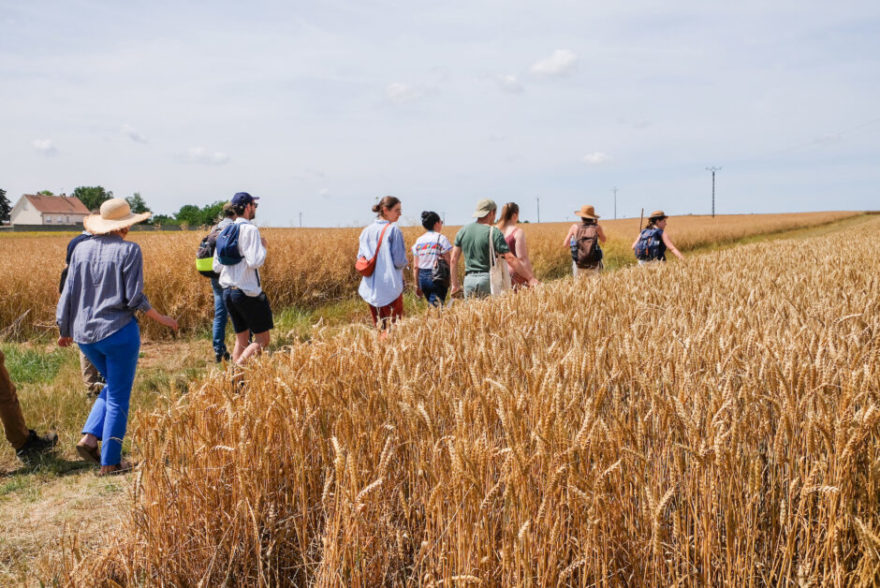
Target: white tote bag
{"points": [[499, 276]]}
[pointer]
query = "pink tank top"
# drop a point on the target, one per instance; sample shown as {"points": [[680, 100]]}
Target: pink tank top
{"points": [[517, 279]]}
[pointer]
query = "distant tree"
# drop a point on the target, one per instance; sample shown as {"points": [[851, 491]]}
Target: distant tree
{"points": [[211, 212], [92, 196], [45, 193], [162, 219], [5, 206], [193, 216], [137, 203], [189, 214]]}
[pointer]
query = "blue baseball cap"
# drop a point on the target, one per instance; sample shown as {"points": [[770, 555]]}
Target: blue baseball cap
{"points": [[243, 199]]}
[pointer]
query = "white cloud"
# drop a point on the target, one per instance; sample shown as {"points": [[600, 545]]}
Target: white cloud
{"points": [[509, 83], [324, 192], [133, 134], [561, 63], [205, 157], [596, 158], [45, 146], [401, 93]]}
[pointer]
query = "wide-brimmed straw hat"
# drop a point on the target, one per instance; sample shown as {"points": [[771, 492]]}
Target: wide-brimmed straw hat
{"points": [[587, 211], [115, 214], [484, 207], [657, 215]]}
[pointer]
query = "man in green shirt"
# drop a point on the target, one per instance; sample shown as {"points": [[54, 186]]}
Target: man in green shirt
{"points": [[473, 241]]}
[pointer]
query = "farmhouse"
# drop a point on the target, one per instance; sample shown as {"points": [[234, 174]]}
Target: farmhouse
{"points": [[56, 211]]}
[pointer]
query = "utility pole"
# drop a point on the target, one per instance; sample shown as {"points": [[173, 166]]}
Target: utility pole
{"points": [[614, 189], [538, 198], [713, 170], [300, 219]]}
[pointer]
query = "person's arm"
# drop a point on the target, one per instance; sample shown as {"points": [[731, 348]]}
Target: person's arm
{"points": [[133, 279], [568, 236], [161, 318], [601, 233], [398, 248], [522, 252], [415, 271], [216, 265], [668, 242], [636, 242], [253, 249], [520, 268], [62, 317], [453, 270]]}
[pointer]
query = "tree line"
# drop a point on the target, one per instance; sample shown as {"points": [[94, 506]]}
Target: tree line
{"points": [[93, 196]]}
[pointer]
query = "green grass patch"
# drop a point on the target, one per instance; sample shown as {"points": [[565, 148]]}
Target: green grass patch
{"points": [[32, 366]]}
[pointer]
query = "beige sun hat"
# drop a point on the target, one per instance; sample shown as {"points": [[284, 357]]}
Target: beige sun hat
{"points": [[115, 214], [484, 207], [657, 215], [587, 211]]}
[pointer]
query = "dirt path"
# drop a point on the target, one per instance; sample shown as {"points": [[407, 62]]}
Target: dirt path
{"points": [[60, 503], [45, 517]]}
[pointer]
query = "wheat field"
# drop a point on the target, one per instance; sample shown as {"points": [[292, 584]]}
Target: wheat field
{"points": [[308, 268], [700, 424]]}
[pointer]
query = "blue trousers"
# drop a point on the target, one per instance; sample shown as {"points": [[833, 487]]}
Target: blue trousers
{"points": [[221, 315], [435, 295], [116, 358]]}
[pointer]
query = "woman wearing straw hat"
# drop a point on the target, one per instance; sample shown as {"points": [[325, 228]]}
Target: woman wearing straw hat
{"points": [[103, 290], [653, 240], [583, 239]]}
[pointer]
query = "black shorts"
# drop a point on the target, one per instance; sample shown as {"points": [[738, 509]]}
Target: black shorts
{"points": [[248, 312]]}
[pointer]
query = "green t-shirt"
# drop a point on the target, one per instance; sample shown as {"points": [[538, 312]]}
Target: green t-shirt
{"points": [[474, 242]]}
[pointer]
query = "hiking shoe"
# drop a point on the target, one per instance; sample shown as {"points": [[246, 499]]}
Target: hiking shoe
{"points": [[36, 445], [218, 357]]}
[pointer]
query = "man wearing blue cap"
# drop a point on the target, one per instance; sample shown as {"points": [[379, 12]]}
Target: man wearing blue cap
{"points": [[240, 278]]}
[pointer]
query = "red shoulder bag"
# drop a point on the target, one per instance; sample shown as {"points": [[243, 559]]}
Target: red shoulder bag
{"points": [[366, 267]]}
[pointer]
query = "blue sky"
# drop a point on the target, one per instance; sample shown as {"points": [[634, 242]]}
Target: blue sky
{"points": [[320, 107]]}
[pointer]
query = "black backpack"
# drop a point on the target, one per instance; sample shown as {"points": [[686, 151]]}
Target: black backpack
{"points": [[205, 255], [589, 254], [650, 245]]}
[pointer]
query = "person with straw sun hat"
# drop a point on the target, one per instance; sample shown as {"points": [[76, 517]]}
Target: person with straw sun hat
{"points": [[584, 240], [102, 292], [653, 241]]}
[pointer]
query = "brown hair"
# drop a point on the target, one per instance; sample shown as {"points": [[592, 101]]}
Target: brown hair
{"points": [[507, 212], [387, 203]]}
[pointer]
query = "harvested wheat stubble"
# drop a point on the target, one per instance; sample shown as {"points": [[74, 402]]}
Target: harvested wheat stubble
{"points": [[709, 423], [308, 268]]}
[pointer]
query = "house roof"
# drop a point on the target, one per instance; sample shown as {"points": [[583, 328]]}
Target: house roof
{"points": [[57, 204]]}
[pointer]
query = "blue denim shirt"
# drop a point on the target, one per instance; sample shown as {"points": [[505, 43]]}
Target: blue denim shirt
{"points": [[104, 288], [386, 283]]}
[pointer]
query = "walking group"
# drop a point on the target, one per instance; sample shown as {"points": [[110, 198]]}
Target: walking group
{"points": [[102, 288]]}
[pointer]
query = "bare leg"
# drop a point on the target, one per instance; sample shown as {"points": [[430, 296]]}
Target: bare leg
{"points": [[261, 340], [241, 343]]}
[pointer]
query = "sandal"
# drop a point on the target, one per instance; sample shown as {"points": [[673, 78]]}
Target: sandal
{"points": [[118, 469], [89, 453]]}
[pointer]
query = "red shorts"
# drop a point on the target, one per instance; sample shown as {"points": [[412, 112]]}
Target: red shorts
{"points": [[388, 313]]}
